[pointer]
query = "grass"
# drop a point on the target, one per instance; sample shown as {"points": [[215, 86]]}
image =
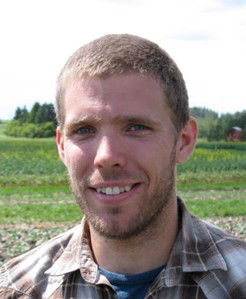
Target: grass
{"points": [[215, 195], [45, 190], [67, 212], [13, 180], [217, 208], [27, 213], [2, 128]]}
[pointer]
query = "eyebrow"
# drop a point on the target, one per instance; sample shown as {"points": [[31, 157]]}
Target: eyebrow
{"points": [[136, 119], [74, 123]]}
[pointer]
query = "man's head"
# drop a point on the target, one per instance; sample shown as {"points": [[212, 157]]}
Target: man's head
{"points": [[123, 54], [122, 130]]}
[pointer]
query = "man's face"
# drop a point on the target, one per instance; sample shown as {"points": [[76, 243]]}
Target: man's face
{"points": [[119, 147]]}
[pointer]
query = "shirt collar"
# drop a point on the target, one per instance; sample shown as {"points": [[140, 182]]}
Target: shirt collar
{"points": [[77, 256]]}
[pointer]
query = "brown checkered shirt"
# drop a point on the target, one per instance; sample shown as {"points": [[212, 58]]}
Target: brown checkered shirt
{"points": [[205, 262]]}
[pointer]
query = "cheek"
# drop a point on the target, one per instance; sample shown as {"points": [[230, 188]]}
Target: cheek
{"points": [[156, 151], [157, 158], [151, 157], [77, 159]]}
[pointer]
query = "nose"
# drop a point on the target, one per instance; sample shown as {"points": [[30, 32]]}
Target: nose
{"points": [[110, 153]]}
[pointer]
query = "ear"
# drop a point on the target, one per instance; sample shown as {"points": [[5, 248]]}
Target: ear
{"points": [[186, 141], [60, 144]]}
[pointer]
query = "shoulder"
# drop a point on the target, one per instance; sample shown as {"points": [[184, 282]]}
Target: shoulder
{"points": [[230, 247], [214, 259], [233, 252], [27, 271]]}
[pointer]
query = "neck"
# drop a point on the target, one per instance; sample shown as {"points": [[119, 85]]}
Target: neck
{"points": [[144, 252]]}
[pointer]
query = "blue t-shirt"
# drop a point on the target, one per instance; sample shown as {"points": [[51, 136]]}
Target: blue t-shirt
{"points": [[131, 286]]}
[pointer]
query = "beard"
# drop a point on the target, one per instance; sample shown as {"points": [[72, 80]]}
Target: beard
{"points": [[151, 208]]}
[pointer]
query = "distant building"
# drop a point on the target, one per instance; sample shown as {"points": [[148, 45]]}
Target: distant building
{"points": [[234, 134]]}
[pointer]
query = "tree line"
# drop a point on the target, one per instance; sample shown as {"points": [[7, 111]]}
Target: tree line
{"points": [[215, 127], [40, 121]]}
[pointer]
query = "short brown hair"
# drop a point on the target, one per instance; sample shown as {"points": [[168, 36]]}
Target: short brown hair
{"points": [[124, 53]]}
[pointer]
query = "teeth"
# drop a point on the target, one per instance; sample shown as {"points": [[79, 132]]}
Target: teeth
{"points": [[109, 191], [115, 190], [127, 188]]}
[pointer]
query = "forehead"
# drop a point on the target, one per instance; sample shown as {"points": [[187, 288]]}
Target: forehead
{"points": [[118, 94]]}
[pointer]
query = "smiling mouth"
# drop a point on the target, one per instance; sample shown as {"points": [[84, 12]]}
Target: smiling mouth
{"points": [[115, 190]]}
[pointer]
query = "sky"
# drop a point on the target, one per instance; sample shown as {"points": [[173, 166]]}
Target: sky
{"points": [[206, 38]]}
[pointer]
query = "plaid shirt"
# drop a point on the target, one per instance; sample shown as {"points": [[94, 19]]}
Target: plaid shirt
{"points": [[205, 262]]}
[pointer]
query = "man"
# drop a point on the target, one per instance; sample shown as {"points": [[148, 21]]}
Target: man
{"points": [[124, 123]]}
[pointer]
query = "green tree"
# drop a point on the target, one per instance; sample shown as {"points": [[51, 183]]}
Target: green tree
{"points": [[39, 122], [45, 113], [219, 129], [216, 131], [33, 113], [205, 117], [201, 112], [21, 114]]}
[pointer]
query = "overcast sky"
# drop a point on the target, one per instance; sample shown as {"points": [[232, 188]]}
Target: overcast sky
{"points": [[206, 38]]}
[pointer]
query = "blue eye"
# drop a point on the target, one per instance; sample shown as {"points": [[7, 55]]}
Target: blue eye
{"points": [[85, 130], [137, 128]]}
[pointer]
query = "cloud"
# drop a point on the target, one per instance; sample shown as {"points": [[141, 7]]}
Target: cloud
{"points": [[192, 37], [233, 3]]}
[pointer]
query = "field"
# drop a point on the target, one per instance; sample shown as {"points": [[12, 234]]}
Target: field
{"points": [[36, 202]]}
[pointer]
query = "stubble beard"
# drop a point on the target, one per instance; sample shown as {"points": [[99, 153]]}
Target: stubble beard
{"points": [[155, 206]]}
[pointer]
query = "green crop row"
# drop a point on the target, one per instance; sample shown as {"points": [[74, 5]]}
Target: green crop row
{"points": [[39, 156], [25, 156], [240, 146]]}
